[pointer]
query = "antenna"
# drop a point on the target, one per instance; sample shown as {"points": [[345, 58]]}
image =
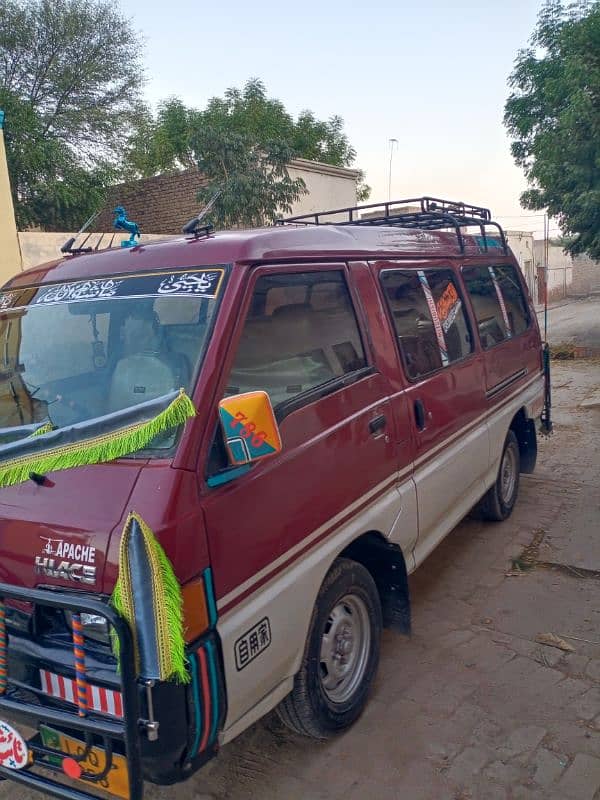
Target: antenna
{"points": [[68, 245], [192, 225]]}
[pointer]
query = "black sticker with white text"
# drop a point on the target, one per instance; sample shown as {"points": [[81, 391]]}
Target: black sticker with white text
{"points": [[252, 643]]}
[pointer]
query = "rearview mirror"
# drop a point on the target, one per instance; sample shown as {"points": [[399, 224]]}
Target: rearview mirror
{"points": [[249, 427]]}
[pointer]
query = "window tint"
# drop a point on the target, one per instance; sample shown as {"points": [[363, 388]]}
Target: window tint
{"points": [[488, 305], [514, 299], [301, 332], [429, 318]]}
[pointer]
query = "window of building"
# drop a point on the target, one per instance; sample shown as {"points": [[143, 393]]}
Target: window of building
{"points": [[301, 332], [429, 318]]}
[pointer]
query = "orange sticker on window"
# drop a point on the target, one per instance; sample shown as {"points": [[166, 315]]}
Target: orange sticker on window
{"points": [[249, 427]]}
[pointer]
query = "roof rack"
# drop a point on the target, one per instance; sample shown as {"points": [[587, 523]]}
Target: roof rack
{"points": [[431, 214]]}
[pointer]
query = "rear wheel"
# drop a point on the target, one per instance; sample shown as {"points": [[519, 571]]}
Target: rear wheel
{"points": [[341, 654], [500, 500]]}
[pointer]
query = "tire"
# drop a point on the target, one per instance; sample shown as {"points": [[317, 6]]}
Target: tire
{"points": [[497, 504], [340, 657]]}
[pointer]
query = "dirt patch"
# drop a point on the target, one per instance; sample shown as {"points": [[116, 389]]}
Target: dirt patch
{"points": [[568, 351]]}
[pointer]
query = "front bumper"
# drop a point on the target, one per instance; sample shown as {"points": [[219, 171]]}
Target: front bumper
{"points": [[189, 717]]}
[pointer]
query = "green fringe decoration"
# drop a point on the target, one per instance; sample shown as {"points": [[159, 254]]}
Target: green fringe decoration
{"points": [[47, 427], [167, 603], [99, 449]]}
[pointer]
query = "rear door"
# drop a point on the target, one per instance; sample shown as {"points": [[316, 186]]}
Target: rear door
{"points": [[274, 530], [446, 393]]}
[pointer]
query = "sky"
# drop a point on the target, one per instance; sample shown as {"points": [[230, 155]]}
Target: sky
{"points": [[432, 75]]}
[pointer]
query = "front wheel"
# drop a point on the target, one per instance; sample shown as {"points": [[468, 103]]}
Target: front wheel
{"points": [[341, 654], [500, 500]]}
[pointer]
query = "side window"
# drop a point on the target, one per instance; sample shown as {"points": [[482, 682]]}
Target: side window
{"points": [[301, 332], [429, 318], [514, 300], [498, 303]]}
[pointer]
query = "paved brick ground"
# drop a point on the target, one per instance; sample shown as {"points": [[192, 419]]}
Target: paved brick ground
{"points": [[470, 707]]}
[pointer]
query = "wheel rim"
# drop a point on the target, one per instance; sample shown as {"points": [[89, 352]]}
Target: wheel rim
{"points": [[345, 647], [508, 475]]}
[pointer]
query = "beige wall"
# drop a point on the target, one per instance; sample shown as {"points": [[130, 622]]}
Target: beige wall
{"points": [[37, 247], [328, 187], [521, 243], [9, 244]]}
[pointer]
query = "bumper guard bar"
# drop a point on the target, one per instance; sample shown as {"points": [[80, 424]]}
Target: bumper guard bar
{"points": [[126, 731]]}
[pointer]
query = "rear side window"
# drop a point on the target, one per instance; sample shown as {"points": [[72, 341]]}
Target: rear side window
{"points": [[301, 332], [498, 303], [517, 309], [429, 318]]}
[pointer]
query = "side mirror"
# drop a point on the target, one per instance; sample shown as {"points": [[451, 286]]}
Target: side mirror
{"points": [[249, 427]]}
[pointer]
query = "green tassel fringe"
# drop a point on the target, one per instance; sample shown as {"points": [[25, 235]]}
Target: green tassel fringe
{"points": [[167, 604], [99, 449], [47, 427]]}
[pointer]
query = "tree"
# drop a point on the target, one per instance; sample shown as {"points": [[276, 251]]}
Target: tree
{"points": [[69, 78], [243, 143], [553, 117], [251, 177]]}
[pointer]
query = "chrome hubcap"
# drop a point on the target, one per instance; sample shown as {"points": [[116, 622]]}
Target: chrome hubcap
{"points": [[345, 646], [508, 475]]}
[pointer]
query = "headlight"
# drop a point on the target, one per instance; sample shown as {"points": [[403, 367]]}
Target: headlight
{"points": [[94, 627]]}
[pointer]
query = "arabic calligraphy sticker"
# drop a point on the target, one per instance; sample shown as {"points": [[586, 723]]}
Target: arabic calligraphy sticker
{"points": [[190, 283], [13, 750], [196, 283]]}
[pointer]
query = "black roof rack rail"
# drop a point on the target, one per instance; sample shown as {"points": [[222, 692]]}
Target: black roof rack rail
{"points": [[430, 214]]}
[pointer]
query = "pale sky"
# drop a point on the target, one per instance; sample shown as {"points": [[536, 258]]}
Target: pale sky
{"points": [[432, 75]]}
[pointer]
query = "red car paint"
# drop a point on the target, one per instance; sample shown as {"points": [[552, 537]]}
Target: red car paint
{"points": [[86, 505]]}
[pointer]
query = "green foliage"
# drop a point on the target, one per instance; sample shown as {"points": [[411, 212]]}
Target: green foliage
{"points": [[252, 177], [69, 74], [553, 117], [242, 143]]}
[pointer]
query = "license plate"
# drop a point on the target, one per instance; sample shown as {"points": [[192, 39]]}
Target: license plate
{"points": [[117, 780]]}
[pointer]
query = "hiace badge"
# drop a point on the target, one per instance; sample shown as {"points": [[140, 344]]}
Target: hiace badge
{"points": [[66, 560]]}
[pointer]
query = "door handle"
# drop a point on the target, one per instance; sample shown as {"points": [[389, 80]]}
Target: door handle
{"points": [[420, 417], [377, 424]]}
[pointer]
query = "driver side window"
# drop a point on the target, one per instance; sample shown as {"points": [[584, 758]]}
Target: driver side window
{"points": [[300, 333]]}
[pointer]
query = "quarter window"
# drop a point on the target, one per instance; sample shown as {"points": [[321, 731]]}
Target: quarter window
{"points": [[301, 332], [514, 299], [498, 302], [429, 318]]}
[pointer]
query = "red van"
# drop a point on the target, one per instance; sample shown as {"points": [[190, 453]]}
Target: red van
{"points": [[359, 384]]}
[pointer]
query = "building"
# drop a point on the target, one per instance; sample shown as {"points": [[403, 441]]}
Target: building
{"points": [[567, 275], [160, 205], [522, 245], [163, 204]]}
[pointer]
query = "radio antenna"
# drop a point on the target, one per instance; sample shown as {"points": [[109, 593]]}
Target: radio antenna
{"points": [[192, 225], [68, 245]]}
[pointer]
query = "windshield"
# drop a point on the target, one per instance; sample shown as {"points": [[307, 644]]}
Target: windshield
{"points": [[76, 351]]}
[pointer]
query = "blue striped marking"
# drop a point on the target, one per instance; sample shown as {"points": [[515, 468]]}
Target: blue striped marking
{"points": [[210, 596], [214, 692], [197, 705]]}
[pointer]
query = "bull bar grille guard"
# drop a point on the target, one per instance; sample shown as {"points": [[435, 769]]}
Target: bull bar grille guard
{"points": [[125, 731]]}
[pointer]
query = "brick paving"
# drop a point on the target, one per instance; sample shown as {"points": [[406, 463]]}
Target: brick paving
{"points": [[470, 707]]}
